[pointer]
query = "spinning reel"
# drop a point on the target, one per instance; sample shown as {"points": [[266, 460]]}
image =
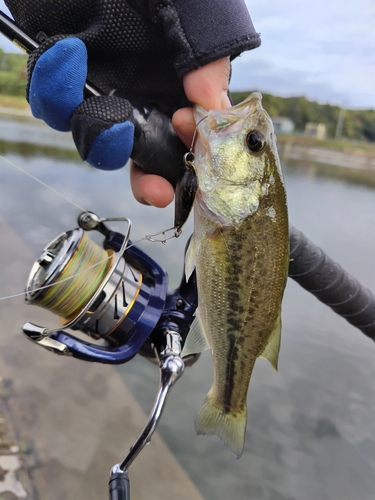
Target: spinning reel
{"points": [[116, 294]]}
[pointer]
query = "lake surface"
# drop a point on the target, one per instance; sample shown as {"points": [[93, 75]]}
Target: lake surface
{"points": [[311, 426]]}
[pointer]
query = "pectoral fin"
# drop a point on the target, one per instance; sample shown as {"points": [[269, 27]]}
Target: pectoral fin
{"points": [[271, 351], [196, 341]]}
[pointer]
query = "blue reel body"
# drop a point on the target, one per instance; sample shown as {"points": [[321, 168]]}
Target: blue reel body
{"points": [[124, 323]]}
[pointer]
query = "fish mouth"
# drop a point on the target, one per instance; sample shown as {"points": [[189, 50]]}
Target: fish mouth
{"points": [[251, 106], [216, 119], [251, 103]]}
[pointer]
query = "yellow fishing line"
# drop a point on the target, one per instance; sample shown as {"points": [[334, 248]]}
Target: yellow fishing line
{"points": [[78, 281]]}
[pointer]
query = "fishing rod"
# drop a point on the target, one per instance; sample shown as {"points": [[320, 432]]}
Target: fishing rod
{"points": [[121, 297], [10, 29]]}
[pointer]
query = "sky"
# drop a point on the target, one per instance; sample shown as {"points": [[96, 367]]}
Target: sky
{"points": [[322, 49]]}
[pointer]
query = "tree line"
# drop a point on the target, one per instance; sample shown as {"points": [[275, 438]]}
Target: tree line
{"points": [[357, 125], [12, 73]]}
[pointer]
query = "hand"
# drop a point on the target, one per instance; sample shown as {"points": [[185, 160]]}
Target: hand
{"points": [[147, 52], [206, 86], [57, 74]]}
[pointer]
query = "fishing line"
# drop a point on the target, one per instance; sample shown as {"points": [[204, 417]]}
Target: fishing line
{"points": [[73, 279], [69, 295], [195, 134], [85, 271], [68, 278], [42, 183]]}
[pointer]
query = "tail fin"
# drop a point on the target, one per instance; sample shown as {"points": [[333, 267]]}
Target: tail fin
{"points": [[212, 419]]}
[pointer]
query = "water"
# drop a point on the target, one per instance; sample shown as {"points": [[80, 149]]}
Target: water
{"points": [[311, 431]]}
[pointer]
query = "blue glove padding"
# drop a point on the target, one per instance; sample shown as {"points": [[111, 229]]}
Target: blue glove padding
{"points": [[117, 141], [103, 133], [57, 82]]}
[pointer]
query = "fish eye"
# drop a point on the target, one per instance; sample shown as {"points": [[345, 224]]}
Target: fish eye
{"points": [[255, 141]]}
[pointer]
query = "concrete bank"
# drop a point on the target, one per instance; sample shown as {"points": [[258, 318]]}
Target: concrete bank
{"points": [[66, 422], [295, 151]]}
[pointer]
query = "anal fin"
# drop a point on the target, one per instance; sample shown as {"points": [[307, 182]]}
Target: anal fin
{"points": [[271, 351]]}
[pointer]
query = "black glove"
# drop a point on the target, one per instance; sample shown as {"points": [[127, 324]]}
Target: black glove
{"points": [[141, 49]]}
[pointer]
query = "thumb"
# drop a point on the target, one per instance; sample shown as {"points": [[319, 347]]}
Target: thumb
{"points": [[206, 86]]}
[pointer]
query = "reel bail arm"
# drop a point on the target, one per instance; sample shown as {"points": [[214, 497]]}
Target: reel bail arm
{"points": [[40, 336]]}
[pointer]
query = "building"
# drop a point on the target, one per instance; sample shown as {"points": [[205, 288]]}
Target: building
{"points": [[316, 130], [282, 125]]}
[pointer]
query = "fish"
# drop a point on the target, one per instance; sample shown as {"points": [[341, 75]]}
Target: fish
{"points": [[240, 251]]}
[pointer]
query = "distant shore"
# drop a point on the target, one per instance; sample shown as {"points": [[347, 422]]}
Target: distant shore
{"points": [[343, 153], [12, 102], [343, 158], [349, 160]]}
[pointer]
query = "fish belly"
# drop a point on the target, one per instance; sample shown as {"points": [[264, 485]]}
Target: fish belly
{"points": [[241, 278]]}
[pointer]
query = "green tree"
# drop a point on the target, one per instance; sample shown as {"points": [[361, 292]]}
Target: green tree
{"points": [[12, 73], [358, 124]]}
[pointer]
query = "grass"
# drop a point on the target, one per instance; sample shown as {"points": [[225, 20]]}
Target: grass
{"points": [[32, 150], [12, 101]]}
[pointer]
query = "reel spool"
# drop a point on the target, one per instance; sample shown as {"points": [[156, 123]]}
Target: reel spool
{"points": [[111, 293]]}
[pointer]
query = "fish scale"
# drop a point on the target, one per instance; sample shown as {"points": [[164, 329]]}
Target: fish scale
{"points": [[240, 249]]}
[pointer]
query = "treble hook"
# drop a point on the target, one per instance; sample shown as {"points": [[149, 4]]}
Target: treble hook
{"points": [[184, 195], [176, 234]]}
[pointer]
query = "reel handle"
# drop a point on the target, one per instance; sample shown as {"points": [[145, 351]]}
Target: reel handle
{"points": [[119, 486]]}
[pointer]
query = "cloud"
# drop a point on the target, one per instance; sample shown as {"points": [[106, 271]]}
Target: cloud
{"points": [[274, 79], [267, 77], [324, 50]]}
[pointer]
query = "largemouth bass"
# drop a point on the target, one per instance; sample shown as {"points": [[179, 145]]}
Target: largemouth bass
{"points": [[240, 249]]}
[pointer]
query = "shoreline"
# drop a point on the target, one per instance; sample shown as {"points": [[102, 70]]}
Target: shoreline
{"points": [[297, 150], [342, 159], [7, 111], [321, 158]]}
